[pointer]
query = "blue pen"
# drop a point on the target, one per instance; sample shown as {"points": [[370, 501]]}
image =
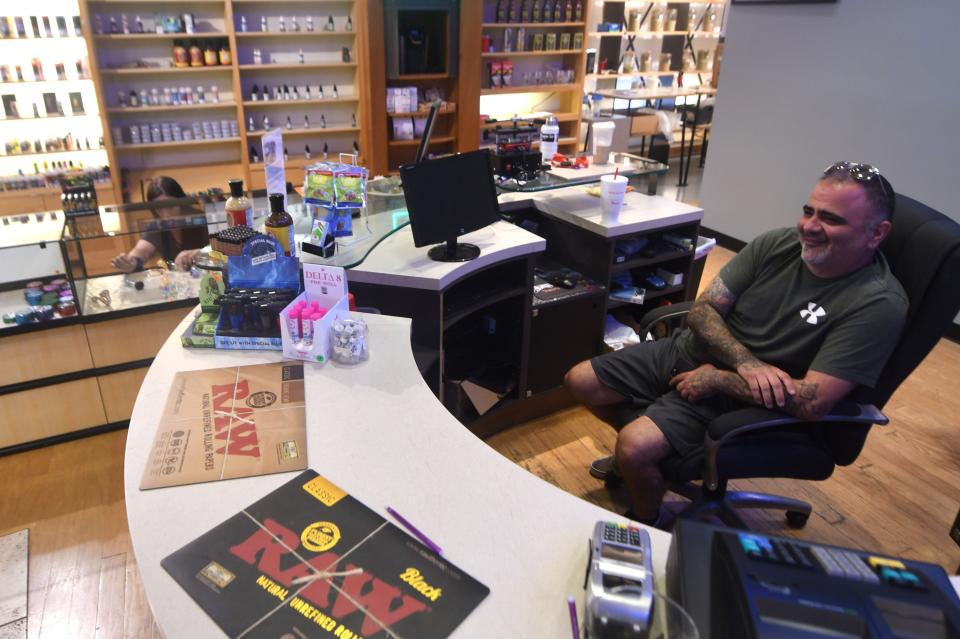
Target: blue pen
{"points": [[413, 529]]}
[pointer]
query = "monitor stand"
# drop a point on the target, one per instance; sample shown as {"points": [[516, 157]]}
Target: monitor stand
{"points": [[454, 252]]}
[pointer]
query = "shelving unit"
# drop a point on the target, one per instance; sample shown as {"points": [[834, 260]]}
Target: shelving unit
{"points": [[523, 96], [49, 106], [200, 164]]}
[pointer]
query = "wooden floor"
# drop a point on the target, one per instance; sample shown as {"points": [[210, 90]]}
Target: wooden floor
{"points": [[898, 498]]}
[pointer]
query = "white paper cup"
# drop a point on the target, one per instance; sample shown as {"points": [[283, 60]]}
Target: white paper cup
{"points": [[612, 191]]}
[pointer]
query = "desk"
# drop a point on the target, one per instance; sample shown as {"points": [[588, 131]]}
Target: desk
{"points": [[662, 93], [377, 431]]}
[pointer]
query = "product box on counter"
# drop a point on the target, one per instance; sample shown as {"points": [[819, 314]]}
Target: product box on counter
{"points": [[325, 288]]}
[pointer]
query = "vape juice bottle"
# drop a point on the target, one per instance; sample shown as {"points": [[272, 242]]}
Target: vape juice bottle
{"points": [[238, 206], [279, 224]]}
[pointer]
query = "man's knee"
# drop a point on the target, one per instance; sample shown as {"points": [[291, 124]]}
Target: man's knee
{"points": [[641, 444], [583, 384]]}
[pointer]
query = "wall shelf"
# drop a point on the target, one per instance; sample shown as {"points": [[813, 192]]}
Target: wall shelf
{"points": [[446, 139], [159, 36], [289, 66], [531, 25], [294, 34], [534, 88], [293, 103], [294, 132], [515, 54], [165, 70], [173, 107], [174, 145]]}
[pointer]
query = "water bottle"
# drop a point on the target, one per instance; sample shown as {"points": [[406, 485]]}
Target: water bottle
{"points": [[549, 136]]}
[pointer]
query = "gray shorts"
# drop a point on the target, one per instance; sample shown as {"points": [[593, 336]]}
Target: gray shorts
{"points": [[642, 374]]}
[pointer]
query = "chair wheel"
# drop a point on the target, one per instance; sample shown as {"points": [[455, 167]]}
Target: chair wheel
{"points": [[796, 519]]}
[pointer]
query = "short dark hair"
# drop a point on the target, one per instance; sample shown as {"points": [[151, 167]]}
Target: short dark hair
{"points": [[879, 191], [164, 185]]}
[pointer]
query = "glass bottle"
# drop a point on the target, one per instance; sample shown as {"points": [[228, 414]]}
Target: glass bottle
{"points": [[279, 224], [238, 206], [536, 11], [225, 57], [210, 57], [196, 54]]}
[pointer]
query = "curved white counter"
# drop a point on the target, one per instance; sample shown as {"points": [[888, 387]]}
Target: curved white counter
{"points": [[377, 431]]}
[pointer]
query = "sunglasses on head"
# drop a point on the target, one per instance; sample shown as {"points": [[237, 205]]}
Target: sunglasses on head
{"points": [[860, 173]]}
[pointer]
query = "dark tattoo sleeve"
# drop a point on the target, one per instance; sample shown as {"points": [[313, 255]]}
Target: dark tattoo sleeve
{"points": [[705, 319], [804, 405]]}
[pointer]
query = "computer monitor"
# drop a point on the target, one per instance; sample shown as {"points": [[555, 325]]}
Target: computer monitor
{"points": [[449, 197]]}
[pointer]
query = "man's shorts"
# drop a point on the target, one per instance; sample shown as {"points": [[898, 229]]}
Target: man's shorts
{"points": [[642, 374]]}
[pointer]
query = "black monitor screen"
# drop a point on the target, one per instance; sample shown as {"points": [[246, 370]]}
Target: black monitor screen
{"points": [[450, 196]]}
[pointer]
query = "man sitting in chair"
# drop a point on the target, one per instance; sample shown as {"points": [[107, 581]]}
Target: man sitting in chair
{"points": [[795, 321]]}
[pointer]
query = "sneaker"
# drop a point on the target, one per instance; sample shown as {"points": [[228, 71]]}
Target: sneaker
{"points": [[605, 468]]}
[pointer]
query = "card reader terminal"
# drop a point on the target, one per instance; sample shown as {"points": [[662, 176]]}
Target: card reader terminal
{"points": [[620, 583]]}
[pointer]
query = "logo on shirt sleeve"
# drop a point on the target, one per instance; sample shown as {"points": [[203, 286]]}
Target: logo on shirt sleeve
{"points": [[813, 313]]}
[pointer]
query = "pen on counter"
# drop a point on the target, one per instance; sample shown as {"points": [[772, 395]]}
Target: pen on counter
{"points": [[413, 530], [574, 622]]}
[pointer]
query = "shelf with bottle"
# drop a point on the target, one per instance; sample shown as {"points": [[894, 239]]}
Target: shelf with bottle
{"points": [[168, 99], [300, 102], [174, 144], [532, 25], [537, 11], [60, 152], [654, 34], [271, 26], [310, 155], [561, 117], [15, 27], [293, 94], [55, 116]]}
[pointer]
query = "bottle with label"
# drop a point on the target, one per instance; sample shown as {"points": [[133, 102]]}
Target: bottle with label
{"points": [[196, 54], [513, 12], [536, 11], [549, 136], [210, 57], [238, 206], [546, 14], [578, 11], [224, 53], [558, 11], [501, 15], [279, 224]]}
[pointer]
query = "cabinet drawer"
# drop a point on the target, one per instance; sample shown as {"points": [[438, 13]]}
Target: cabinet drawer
{"points": [[131, 338], [119, 392], [50, 410], [43, 354]]}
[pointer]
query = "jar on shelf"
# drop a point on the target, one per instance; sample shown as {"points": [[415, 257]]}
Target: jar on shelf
{"points": [[671, 24], [709, 19], [666, 59], [692, 17], [633, 22], [704, 60], [657, 19], [628, 64], [645, 58]]}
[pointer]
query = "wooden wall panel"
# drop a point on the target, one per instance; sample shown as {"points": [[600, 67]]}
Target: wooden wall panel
{"points": [[119, 392], [51, 410], [43, 354], [469, 75], [131, 338]]}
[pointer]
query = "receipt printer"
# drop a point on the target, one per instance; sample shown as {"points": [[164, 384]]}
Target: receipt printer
{"points": [[619, 582], [742, 585]]}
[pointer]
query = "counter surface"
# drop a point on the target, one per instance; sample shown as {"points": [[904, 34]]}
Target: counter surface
{"points": [[640, 212], [397, 262], [378, 432]]}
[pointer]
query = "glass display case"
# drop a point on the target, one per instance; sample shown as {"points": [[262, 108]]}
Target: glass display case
{"points": [[135, 255], [34, 287]]}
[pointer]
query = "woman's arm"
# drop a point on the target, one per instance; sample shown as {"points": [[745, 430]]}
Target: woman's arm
{"points": [[132, 261]]}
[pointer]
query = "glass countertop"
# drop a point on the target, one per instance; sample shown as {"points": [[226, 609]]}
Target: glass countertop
{"points": [[628, 164]]}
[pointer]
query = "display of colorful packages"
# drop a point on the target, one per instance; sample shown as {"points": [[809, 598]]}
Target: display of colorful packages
{"points": [[337, 185]]}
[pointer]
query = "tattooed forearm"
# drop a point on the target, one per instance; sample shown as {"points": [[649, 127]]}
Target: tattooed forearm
{"points": [[705, 319], [806, 404]]}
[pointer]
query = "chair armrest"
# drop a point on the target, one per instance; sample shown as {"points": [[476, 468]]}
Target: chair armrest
{"points": [[660, 314], [752, 419]]}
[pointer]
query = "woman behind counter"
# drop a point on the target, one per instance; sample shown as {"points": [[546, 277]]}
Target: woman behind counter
{"points": [[178, 244]]}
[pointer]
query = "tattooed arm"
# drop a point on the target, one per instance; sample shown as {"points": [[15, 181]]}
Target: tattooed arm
{"points": [[767, 385], [816, 395]]}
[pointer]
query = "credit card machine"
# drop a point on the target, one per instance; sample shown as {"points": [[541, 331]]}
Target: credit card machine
{"points": [[619, 582]]}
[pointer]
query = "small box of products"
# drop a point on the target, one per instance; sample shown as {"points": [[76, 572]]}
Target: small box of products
{"points": [[306, 323]]}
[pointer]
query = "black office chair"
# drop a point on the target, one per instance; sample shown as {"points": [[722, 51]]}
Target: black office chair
{"points": [[923, 249]]}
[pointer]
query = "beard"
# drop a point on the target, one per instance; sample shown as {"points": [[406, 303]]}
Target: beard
{"points": [[815, 254]]}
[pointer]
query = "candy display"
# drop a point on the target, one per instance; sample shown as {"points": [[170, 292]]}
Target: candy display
{"points": [[348, 341]]}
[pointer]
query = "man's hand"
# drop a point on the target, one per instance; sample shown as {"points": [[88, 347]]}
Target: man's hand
{"points": [[768, 384], [697, 384], [124, 263], [184, 259]]}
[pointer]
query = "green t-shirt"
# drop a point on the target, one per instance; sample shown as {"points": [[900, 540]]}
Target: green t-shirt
{"points": [[786, 316]]}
